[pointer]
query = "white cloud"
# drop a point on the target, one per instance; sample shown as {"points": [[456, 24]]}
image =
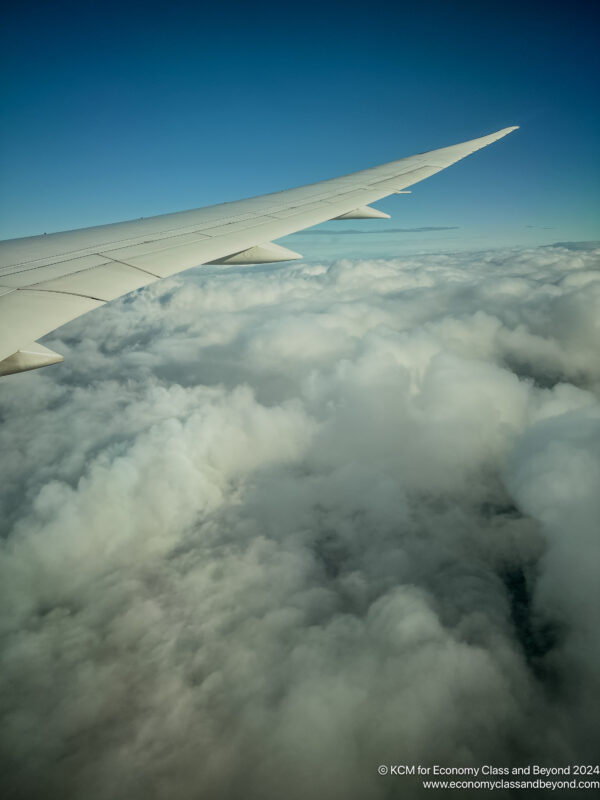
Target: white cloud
{"points": [[268, 528]]}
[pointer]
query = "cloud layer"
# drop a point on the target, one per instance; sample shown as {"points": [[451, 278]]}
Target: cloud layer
{"points": [[266, 529]]}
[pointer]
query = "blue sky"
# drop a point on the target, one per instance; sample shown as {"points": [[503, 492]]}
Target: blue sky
{"points": [[112, 114]]}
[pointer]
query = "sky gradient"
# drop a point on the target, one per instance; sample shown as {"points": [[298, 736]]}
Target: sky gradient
{"points": [[112, 114]]}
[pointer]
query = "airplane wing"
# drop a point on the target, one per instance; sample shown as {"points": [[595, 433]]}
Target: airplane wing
{"points": [[47, 280]]}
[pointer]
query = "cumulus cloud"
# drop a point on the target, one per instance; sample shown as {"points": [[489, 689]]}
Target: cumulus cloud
{"points": [[268, 528]]}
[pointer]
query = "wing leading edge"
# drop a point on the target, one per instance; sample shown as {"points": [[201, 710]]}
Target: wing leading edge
{"points": [[46, 281]]}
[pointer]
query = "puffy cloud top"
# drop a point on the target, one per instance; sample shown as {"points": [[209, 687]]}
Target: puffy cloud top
{"points": [[266, 529]]}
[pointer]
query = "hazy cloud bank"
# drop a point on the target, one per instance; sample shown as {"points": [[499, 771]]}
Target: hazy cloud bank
{"points": [[269, 528], [374, 231]]}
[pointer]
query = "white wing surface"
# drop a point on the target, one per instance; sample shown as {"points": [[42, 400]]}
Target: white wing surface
{"points": [[45, 281]]}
